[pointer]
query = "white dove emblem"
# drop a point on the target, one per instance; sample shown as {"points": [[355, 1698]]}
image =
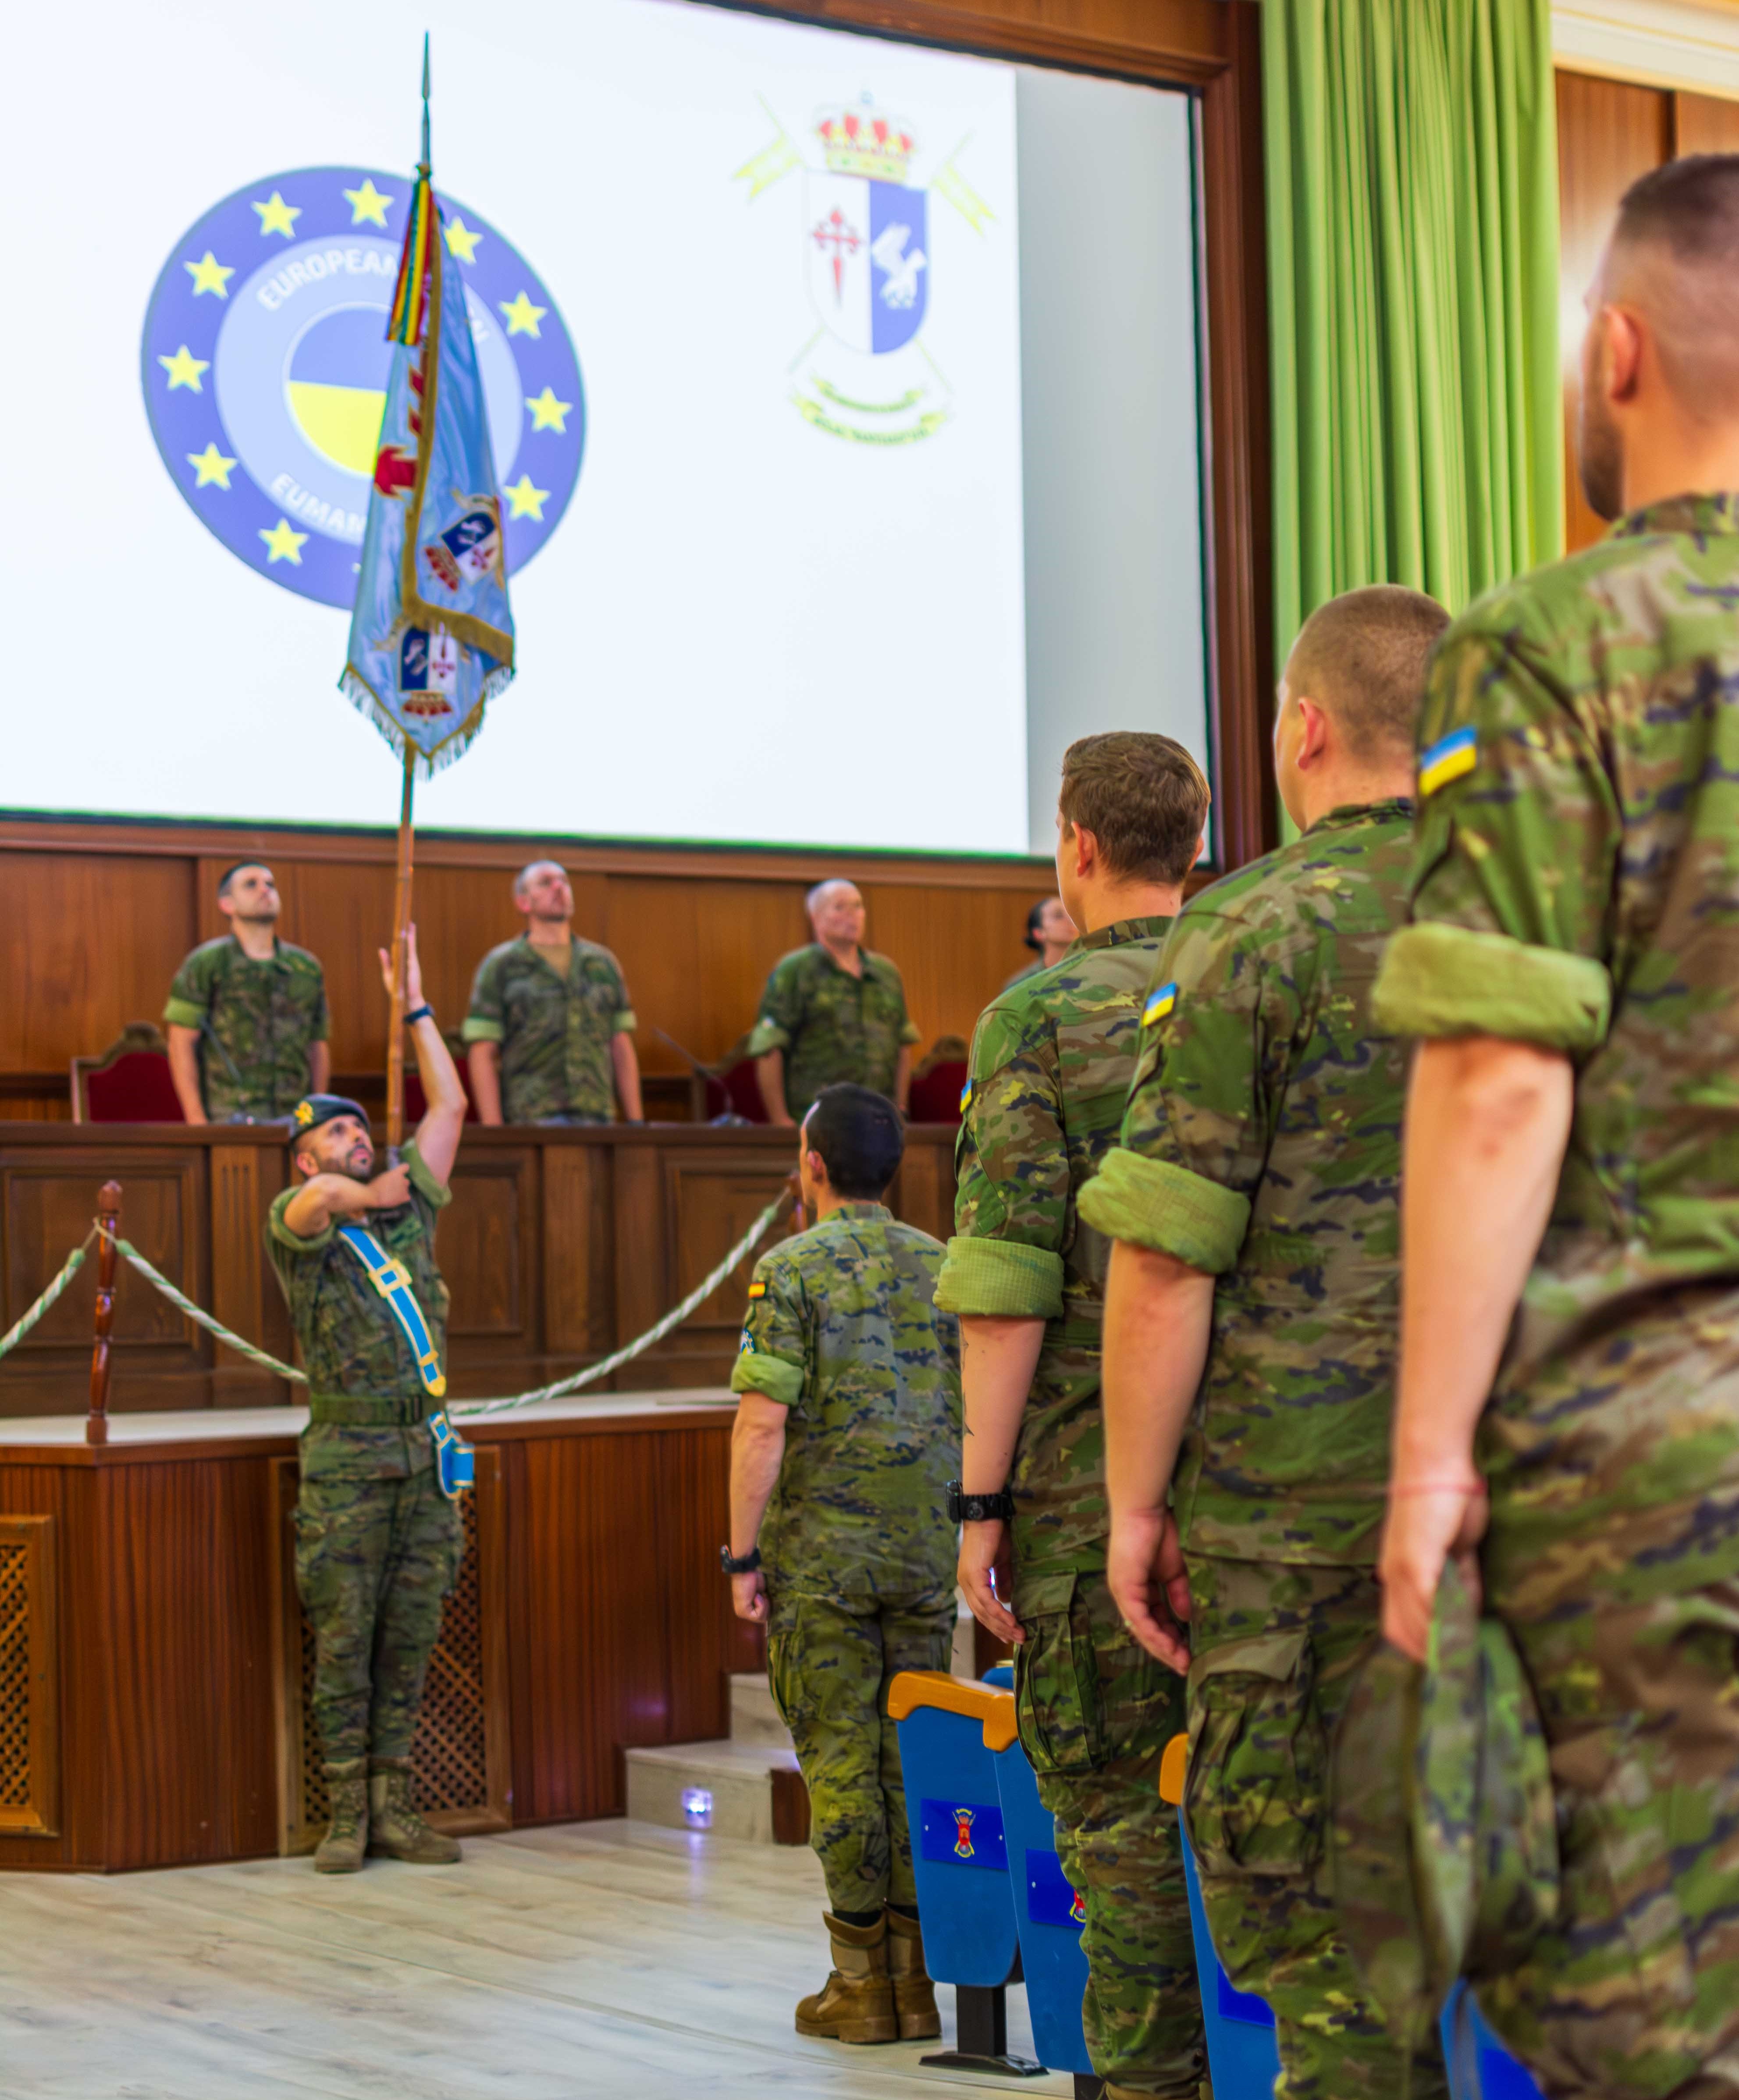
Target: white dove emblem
{"points": [[888, 253]]}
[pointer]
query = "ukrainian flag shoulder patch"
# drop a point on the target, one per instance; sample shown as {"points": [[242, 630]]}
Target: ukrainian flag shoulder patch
{"points": [[1447, 760], [965, 1097], [1160, 1001], [757, 1289]]}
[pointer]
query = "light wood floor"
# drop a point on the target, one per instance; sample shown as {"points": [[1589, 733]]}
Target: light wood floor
{"points": [[591, 1960]]}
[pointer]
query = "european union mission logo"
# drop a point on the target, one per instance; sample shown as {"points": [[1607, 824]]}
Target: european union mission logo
{"points": [[264, 366]]}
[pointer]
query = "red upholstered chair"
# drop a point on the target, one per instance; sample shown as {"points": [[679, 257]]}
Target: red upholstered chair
{"points": [[416, 1101], [733, 1089], [128, 1083], [937, 1083]]}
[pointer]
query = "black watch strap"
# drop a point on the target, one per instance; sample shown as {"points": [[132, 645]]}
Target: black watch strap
{"points": [[745, 1564], [979, 1509], [423, 1012]]}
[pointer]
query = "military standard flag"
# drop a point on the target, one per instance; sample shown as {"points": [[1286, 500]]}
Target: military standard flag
{"points": [[432, 635]]}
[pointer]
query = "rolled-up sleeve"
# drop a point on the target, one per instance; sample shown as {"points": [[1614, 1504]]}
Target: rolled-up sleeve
{"points": [[773, 1355], [486, 1018]]}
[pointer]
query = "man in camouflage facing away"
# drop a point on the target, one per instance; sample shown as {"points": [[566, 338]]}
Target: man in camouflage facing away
{"points": [[1051, 1060], [845, 1434], [1569, 1421], [378, 1542], [1254, 1200]]}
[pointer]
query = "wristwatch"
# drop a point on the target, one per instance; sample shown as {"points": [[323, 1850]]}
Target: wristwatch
{"points": [[423, 1012], [979, 1509], [745, 1564]]}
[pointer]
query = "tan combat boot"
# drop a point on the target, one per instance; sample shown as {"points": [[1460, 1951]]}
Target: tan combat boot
{"points": [[341, 1851], [396, 1827], [914, 1994], [856, 2003]]}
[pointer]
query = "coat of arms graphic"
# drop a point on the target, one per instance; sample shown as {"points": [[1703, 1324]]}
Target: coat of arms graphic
{"points": [[864, 375]]}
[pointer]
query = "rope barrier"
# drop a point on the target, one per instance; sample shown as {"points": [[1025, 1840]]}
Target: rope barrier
{"points": [[22, 1325], [656, 1333]]}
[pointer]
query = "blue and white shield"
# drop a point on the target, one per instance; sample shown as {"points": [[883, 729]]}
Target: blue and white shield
{"points": [[868, 261]]}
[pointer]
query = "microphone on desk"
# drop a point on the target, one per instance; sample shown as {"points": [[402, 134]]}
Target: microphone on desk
{"points": [[730, 1120]]}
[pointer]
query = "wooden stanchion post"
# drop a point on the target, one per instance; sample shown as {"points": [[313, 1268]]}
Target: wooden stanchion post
{"points": [[108, 1216], [401, 920]]}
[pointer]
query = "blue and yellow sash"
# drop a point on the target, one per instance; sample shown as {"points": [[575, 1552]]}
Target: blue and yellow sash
{"points": [[392, 1279]]}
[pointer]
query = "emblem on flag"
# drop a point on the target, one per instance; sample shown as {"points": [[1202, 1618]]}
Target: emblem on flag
{"points": [[1078, 1909], [964, 1819], [865, 228], [1447, 760]]}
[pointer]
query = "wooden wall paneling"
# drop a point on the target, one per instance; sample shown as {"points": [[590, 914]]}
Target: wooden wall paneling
{"points": [[486, 1242], [691, 1518], [643, 1281], [695, 957], [1609, 132], [710, 1201], [922, 1192], [243, 1292], [30, 1679], [186, 1617], [87, 943], [68, 1498], [954, 954], [1704, 124], [577, 1242]]}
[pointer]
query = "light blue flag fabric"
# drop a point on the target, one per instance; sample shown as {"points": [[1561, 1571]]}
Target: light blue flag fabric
{"points": [[432, 635]]}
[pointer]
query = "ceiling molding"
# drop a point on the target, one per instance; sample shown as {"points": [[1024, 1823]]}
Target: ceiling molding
{"points": [[1691, 44]]}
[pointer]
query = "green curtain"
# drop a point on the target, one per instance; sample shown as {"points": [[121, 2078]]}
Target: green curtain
{"points": [[1412, 284]]}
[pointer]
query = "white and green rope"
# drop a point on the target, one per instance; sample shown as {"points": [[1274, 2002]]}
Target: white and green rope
{"points": [[22, 1325]]}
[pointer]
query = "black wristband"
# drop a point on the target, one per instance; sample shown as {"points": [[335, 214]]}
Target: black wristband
{"points": [[745, 1565], [423, 1012], [979, 1509]]}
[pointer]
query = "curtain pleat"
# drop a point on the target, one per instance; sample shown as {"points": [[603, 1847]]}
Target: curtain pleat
{"points": [[1413, 273]]}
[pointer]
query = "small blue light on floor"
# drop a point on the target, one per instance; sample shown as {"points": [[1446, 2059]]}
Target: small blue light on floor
{"points": [[697, 1807]]}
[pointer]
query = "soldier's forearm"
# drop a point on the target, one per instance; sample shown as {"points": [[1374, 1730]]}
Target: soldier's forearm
{"points": [[484, 1064], [757, 1451], [1486, 1128], [998, 1358], [319, 1068], [770, 1076], [184, 1070], [322, 1198], [1158, 1320], [625, 1064], [903, 1080]]}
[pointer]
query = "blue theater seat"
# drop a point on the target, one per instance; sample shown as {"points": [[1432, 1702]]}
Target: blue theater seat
{"points": [[1049, 1915]]}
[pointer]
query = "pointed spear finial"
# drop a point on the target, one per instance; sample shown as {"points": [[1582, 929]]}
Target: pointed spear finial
{"points": [[426, 161]]}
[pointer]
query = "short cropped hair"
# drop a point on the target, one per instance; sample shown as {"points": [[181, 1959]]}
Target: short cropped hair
{"points": [[860, 1136], [1142, 796], [1680, 224], [230, 873], [821, 889], [1363, 657], [524, 877]]}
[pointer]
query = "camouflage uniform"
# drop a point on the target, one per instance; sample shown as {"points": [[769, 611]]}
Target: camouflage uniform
{"points": [[833, 1026], [1261, 1144], [377, 1544], [842, 1330], [1052, 1060], [258, 1023], [1576, 887], [555, 1032]]}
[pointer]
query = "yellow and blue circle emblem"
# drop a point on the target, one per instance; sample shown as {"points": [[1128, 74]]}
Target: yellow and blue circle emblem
{"points": [[265, 358]]}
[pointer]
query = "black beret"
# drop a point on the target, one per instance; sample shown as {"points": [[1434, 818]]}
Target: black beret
{"points": [[313, 1109]]}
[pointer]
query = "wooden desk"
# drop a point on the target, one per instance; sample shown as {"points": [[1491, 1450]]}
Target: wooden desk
{"points": [[559, 1246], [151, 1649]]}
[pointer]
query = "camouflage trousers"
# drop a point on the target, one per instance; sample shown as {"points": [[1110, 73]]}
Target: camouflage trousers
{"points": [[374, 1561], [830, 1660], [1274, 1650], [1095, 1712], [1635, 1993]]}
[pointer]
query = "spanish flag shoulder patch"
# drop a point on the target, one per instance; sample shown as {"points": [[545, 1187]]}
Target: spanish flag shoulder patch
{"points": [[965, 1097], [757, 1289], [1160, 1001], [1447, 760]]}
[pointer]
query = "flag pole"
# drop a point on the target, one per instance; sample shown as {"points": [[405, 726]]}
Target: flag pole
{"points": [[401, 922], [401, 898]]}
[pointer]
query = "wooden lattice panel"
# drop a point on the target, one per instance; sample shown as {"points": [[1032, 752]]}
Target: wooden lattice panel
{"points": [[29, 1690], [459, 1756]]}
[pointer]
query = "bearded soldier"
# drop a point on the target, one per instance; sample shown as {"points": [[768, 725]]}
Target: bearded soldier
{"points": [[378, 1535], [1051, 1062], [1256, 1201]]}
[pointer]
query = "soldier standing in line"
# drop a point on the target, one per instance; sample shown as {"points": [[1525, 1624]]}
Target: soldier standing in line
{"points": [[247, 1016], [550, 1027], [1052, 1060], [1252, 1298], [832, 1011], [1569, 1375], [378, 1534], [1050, 933], [846, 1433]]}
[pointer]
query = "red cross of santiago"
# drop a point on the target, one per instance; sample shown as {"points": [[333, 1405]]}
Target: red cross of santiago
{"points": [[837, 232]]}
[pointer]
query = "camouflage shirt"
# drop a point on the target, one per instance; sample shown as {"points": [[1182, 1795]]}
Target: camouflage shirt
{"points": [[351, 1344], [1262, 1145], [258, 1023], [833, 1026], [1576, 885], [1052, 1059], [843, 1329], [555, 1032]]}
